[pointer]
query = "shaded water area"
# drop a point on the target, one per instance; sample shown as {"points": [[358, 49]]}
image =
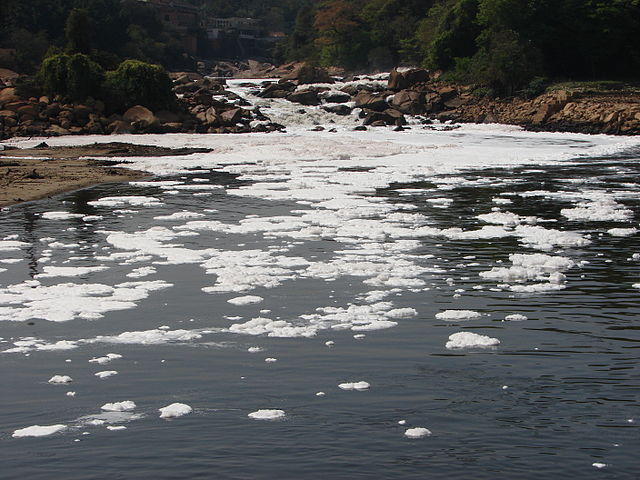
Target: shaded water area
{"points": [[558, 395]]}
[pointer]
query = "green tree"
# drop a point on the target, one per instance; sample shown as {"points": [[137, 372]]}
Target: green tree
{"points": [[448, 32], [73, 76], [139, 83], [78, 31]]}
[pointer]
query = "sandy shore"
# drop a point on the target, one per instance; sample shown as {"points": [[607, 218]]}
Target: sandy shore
{"points": [[33, 173]]}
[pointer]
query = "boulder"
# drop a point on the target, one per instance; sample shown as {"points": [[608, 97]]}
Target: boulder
{"points": [[457, 102], [165, 116], [231, 117], [546, 111], [81, 114], [409, 102], [371, 101], [335, 96], [56, 131], [305, 97], [387, 117], [8, 95], [27, 112], [338, 109], [118, 127], [305, 74], [8, 77], [141, 116], [13, 105], [277, 90], [406, 78]]}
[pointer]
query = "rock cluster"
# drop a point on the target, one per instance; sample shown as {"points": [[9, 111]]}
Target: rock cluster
{"points": [[606, 112], [203, 105]]}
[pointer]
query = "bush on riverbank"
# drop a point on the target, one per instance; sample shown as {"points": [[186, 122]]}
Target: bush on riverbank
{"points": [[139, 83], [74, 76]]}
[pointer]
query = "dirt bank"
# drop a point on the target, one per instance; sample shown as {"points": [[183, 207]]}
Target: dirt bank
{"points": [[33, 173]]}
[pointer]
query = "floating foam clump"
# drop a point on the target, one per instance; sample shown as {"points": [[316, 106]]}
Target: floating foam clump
{"points": [[125, 406], [60, 379], [273, 328], [175, 410], [515, 317], [354, 386], [106, 374], [51, 271], [622, 232], [60, 215], [267, 414], [109, 357], [600, 210], [246, 300], [470, 340], [417, 432], [38, 431], [457, 315]]}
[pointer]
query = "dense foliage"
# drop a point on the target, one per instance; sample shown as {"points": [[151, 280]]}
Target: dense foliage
{"points": [[74, 76], [139, 83], [109, 30], [500, 44]]}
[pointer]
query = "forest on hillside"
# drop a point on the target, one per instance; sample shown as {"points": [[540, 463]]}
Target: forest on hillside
{"points": [[502, 45]]}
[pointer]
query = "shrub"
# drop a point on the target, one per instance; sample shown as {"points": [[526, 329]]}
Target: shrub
{"points": [[536, 87], [139, 83], [74, 76]]}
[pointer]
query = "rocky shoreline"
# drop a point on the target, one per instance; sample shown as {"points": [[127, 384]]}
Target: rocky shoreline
{"points": [[206, 105]]}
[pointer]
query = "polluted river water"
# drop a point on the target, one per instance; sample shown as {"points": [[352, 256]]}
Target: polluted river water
{"points": [[432, 303]]}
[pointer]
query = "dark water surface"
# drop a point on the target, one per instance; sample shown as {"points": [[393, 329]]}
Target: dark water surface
{"points": [[572, 369]]}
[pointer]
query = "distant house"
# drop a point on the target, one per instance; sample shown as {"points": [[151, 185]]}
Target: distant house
{"points": [[244, 28], [183, 18]]}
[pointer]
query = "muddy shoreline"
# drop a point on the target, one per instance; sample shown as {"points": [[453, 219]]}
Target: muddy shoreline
{"points": [[28, 174]]}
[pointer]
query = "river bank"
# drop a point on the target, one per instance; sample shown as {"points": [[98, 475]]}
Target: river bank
{"points": [[404, 96], [38, 172]]}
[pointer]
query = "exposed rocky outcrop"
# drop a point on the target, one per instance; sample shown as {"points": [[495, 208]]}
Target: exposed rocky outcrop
{"points": [[203, 105]]}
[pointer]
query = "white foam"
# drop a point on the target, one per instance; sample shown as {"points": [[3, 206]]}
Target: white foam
{"points": [[12, 245], [53, 271], [109, 357], [360, 386], [179, 216], [119, 201], [267, 414], [124, 406], [60, 215], [175, 410], [116, 428], [245, 300], [417, 432], [622, 232], [68, 301], [148, 337], [141, 272], [457, 315], [106, 373], [60, 379], [38, 431], [470, 340], [515, 317]]}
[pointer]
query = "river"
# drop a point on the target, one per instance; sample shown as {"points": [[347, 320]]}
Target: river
{"points": [[432, 303]]}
